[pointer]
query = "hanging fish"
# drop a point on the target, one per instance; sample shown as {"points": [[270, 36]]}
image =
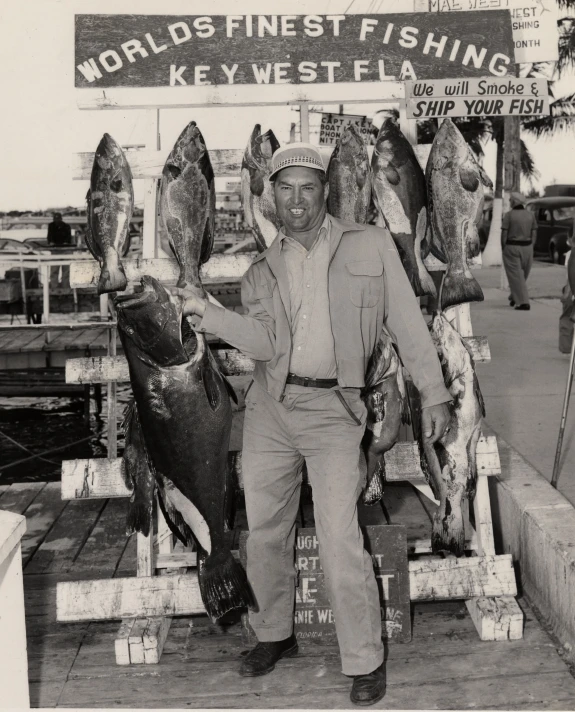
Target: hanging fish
{"points": [[188, 204], [349, 178], [184, 411], [455, 183], [385, 397], [449, 464], [257, 193], [401, 198], [110, 202]]}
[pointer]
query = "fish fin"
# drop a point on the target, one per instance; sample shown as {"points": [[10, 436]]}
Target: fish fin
{"points": [[391, 175], [460, 288], [230, 389], [256, 181], [360, 176], [112, 276], [207, 241], [426, 283], [373, 492], [469, 178], [423, 232], [91, 244], [223, 584], [485, 179], [213, 393], [472, 240], [173, 170], [138, 475], [174, 519], [478, 394], [437, 250]]}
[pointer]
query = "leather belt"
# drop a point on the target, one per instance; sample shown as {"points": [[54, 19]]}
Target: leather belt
{"points": [[311, 382], [515, 242]]}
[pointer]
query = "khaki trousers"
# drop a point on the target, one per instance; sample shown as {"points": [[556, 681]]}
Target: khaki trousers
{"points": [[518, 260], [311, 424]]}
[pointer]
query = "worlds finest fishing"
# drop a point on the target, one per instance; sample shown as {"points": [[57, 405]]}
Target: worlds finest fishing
{"points": [[235, 27]]}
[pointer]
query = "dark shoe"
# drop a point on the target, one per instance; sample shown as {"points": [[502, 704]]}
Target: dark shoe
{"points": [[368, 689], [523, 307], [511, 303], [263, 658]]}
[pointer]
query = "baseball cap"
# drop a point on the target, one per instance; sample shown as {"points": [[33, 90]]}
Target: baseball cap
{"points": [[296, 154]]}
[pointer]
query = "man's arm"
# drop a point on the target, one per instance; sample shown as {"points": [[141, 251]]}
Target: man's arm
{"points": [[571, 270], [408, 327], [533, 229], [252, 333], [504, 229]]}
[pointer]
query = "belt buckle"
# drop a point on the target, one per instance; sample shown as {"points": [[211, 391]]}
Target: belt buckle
{"points": [[305, 381]]}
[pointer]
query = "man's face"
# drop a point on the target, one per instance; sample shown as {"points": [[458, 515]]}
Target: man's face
{"points": [[300, 198]]}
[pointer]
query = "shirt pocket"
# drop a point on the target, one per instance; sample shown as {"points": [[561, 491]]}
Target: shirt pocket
{"points": [[365, 282], [263, 293]]}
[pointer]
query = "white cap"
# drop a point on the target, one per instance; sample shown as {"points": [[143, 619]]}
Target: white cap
{"points": [[296, 154]]}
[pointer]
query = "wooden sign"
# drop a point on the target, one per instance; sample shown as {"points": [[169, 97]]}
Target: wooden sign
{"points": [[501, 96], [534, 24], [314, 617], [332, 126], [223, 50]]}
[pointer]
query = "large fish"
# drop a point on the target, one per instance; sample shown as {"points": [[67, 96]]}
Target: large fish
{"points": [[455, 183], [256, 190], [400, 195], [110, 202], [349, 178], [385, 397], [188, 204], [449, 465], [183, 407]]}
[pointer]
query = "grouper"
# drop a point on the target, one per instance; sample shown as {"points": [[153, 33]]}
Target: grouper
{"points": [[110, 202], [449, 464], [349, 178], [400, 195], [188, 203], [385, 397], [455, 188], [257, 193], [184, 412]]}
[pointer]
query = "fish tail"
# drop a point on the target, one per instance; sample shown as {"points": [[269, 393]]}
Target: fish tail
{"points": [[112, 276], [448, 531], [223, 584], [459, 288], [140, 516]]}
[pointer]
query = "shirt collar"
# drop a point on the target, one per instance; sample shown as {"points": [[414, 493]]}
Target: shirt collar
{"points": [[325, 230]]}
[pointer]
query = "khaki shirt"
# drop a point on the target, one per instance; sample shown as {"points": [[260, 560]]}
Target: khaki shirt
{"points": [[313, 353], [367, 288]]}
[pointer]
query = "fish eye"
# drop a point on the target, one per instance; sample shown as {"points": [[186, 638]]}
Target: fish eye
{"points": [[129, 330]]}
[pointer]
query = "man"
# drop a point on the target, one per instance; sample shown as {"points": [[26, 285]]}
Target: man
{"points": [[59, 232], [59, 235], [518, 235], [317, 299]]}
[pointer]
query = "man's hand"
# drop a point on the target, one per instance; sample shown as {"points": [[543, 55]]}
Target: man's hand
{"points": [[434, 421], [194, 303]]}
